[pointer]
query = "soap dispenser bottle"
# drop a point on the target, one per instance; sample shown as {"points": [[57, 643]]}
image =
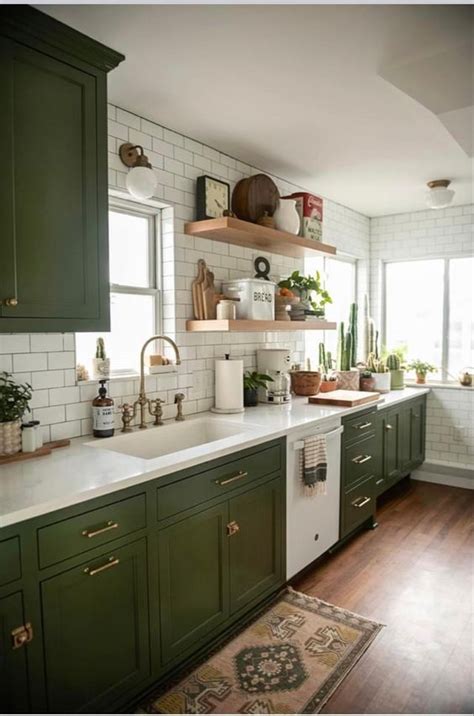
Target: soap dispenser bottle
{"points": [[103, 413]]}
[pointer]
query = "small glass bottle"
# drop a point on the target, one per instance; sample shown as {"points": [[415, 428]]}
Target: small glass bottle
{"points": [[28, 437], [103, 419]]}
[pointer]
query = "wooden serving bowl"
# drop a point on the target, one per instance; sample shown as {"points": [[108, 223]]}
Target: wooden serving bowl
{"points": [[305, 382], [253, 196]]}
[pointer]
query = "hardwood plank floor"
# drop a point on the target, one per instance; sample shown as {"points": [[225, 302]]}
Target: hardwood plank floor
{"points": [[413, 573]]}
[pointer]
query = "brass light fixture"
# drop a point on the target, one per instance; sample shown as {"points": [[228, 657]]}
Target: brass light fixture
{"points": [[141, 180], [439, 195]]}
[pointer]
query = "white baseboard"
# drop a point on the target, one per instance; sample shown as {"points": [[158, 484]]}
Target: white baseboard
{"points": [[445, 475]]}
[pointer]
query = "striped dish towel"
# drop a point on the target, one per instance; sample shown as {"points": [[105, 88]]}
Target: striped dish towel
{"points": [[313, 465]]}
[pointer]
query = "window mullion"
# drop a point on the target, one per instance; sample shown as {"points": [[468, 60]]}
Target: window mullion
{"points": [[445, 329]]}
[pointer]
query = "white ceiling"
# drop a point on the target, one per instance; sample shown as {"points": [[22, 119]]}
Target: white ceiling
{"points": [[297, 90]]}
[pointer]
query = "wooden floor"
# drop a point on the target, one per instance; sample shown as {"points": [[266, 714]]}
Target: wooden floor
{"points": [[414, 574]]}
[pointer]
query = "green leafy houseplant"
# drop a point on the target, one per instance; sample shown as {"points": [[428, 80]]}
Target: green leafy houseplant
{"points": [[14, 399], [252, 382], [421, 369], [306, 287]]}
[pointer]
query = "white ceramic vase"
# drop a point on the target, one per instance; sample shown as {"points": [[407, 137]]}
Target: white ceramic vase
{"points": [[382, 382], [286, 216]]}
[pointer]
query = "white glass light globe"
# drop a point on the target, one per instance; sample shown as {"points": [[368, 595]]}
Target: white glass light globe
{"points": [[438, 197], [141, 182]]}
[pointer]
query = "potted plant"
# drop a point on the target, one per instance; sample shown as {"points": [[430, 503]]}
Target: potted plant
{"points": [[14, 399], [252, 382], [346, 372], [328, 380], [367, 381], [397, 373], [380, 374], [101, 364], [421, 369], [313, 296]]}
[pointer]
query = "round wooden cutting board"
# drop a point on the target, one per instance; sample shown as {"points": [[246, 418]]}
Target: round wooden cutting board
{"points": [[254, 196]]}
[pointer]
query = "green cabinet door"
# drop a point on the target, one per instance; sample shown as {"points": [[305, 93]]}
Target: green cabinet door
{"points": [[194, 573], [417, 432], [53, 193], [95, 624], [391, 436], [380, 481], [13, 661], [255, 543], [404, 437]]}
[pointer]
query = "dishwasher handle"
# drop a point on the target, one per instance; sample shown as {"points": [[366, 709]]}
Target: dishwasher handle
{"points": [[299, 444]]}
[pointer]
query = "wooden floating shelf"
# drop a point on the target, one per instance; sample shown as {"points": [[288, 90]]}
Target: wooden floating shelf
{"points": [[253, 236], [258, 326]]}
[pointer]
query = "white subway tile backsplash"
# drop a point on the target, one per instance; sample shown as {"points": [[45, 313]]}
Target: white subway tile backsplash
{"points": [[29, 361], [41, 342], [47, 379], [62, 396], [63, 359], [15, 343], [50, 416]]}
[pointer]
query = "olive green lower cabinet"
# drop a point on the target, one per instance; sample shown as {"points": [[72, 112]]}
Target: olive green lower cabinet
{"points": [[102, 600], [379, 448]]}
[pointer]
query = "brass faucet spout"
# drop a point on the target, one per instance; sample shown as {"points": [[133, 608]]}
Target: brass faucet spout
{"points": [[143, 401]]}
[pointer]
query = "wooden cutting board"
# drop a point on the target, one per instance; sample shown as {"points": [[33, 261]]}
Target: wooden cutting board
{"points": [[344, 398]]}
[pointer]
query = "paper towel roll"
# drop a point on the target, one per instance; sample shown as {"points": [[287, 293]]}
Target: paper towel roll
{"points": [[229, 386]]}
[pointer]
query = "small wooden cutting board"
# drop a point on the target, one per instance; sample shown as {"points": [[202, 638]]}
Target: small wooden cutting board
{"points": [[344, 398]]}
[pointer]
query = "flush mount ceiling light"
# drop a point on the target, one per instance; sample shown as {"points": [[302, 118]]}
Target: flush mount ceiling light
{"points": [[141, 181], [439, 195]]}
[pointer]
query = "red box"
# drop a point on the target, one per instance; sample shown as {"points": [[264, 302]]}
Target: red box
{"points": [[310, 209]]}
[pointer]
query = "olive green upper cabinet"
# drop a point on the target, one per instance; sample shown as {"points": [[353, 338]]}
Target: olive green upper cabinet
{"points": [[53, 186]]}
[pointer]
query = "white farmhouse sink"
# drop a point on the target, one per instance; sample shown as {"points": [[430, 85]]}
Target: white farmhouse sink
{"points": [[166, 439]]}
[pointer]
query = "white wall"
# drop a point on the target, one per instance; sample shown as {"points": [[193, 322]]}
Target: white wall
{"points": [[48, 360], [442, 233]]}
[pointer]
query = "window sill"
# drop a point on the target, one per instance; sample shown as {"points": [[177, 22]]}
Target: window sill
{"points": [[111, 379], [439, 384]]}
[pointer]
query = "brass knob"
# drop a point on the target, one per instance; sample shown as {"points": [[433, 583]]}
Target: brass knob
{"points": [[11, 302]]}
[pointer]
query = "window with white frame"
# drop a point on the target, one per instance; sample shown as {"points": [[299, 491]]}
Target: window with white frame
{"points": [[429, 310], [134, 288], [340, 279]]}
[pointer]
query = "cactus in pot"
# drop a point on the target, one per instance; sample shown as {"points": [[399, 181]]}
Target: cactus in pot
{"points": [[354, 335], [348, 379], [101, 364], [381, 375], [328, 380], [397, 374]]}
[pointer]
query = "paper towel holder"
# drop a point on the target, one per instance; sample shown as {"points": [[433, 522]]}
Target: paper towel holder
{"points": [[229, 410]]}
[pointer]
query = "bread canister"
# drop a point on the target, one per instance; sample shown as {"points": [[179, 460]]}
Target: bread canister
{"points": [[257, 298]]}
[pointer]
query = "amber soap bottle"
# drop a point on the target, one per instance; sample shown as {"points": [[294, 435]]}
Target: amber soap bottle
{"points": [[102, 413]]}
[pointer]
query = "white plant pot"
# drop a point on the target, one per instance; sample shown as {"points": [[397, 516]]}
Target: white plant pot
{"points": [[382, 382], [10, 437], [100, 368], [286, 216]]}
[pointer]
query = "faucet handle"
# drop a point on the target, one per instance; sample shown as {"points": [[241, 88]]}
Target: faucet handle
{"points": [[178, 399], [128, 414], [154, 406]]}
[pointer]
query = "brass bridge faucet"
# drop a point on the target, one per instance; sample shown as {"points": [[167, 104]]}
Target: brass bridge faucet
{"points": [[154, 406]]}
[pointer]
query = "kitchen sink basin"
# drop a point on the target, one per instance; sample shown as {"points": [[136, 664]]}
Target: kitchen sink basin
{"points": [[174, 437]]}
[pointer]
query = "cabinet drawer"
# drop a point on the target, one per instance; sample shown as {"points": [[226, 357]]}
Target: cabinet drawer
{"points": [[216, 482], [359, 426], [359, 460], [357, 506], [78, 534], [10, 565]]}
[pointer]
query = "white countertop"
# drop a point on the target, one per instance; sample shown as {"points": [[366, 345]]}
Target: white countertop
{"points": [[72, 475]]}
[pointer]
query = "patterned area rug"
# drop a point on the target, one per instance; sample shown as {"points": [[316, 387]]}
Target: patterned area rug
{"points": [[290, 660]]}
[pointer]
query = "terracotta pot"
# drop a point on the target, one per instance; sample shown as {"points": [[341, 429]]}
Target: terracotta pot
{"points": [[367, 384], [328, 385], [305, 382], [348, 379], [420, 378], [10, 437]]}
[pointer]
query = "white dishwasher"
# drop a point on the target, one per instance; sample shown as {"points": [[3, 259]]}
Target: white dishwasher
{"points": [[312, 522]]}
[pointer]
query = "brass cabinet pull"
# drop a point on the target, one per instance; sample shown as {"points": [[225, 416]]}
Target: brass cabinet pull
{"points": [[106, 528], [362, 426], [238, 476], [389, 427], [360, 459], [22, 635], [357, 502], [232, 528], [111, 563], [11, 302]]}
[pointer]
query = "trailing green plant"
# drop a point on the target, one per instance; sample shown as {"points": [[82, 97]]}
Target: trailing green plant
{"points": [[306, 287], [393, 361], [100, 353], [254, 380], [14, 398], [421, 367]]}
